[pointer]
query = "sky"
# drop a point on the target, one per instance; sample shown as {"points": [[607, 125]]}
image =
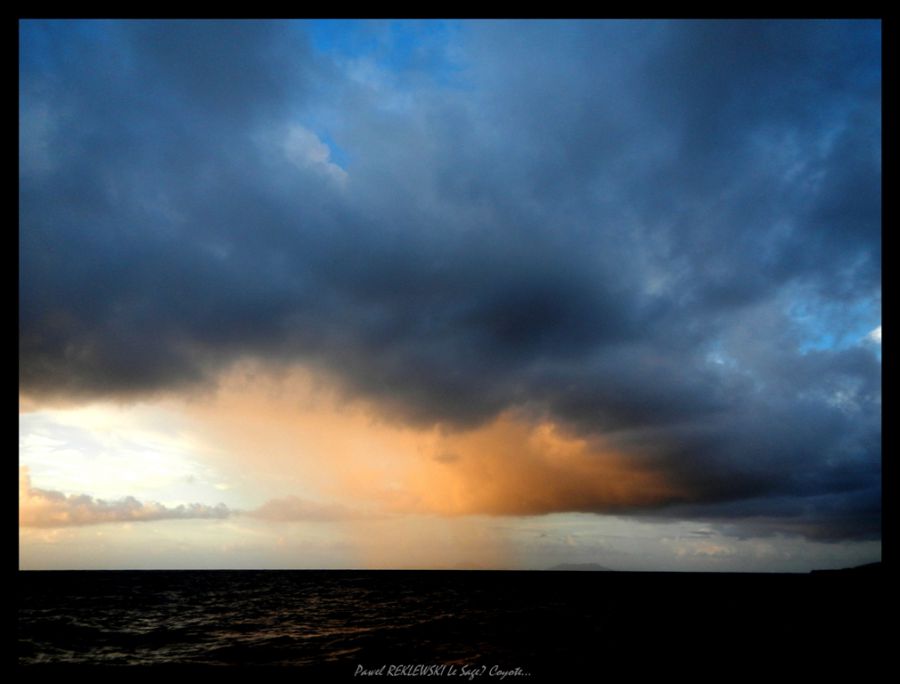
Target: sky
{"points": [[450, 294]]}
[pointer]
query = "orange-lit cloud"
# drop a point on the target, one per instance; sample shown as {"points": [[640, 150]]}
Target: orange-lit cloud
{"points": [[512, 467], [47, 508], [296, 430]]}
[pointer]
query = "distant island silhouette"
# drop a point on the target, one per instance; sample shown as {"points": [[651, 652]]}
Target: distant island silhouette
{"points": [[859, 569], [581, 567]]}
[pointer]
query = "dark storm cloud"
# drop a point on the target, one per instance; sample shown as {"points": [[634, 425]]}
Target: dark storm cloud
{"points": [[607, 223]]}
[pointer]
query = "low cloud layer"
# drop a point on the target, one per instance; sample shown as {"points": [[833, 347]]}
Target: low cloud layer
{"points": [[662, 235], [51, 509], [295, 509], [48, 508]]}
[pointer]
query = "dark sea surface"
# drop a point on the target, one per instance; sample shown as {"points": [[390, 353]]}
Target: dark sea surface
{"points": [[464, 625]]}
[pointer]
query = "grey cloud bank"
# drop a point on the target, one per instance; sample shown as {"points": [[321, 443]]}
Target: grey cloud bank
{"points": [[665, 233]]}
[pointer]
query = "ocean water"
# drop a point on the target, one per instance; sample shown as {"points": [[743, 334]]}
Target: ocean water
{"points": [[477, 626]]}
